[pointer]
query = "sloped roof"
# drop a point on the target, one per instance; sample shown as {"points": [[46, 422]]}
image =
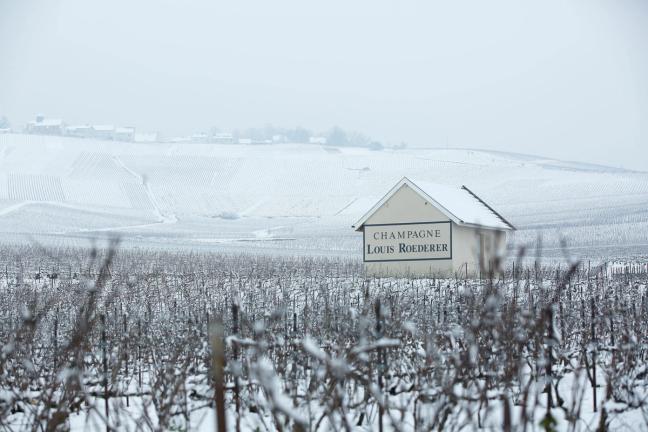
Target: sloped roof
{"points": [[47, 122], [460, 204], [103, 128]]}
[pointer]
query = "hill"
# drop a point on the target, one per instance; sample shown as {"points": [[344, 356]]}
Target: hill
{"points": [[295, 199]]}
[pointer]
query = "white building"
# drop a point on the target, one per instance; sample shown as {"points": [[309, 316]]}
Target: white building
{"points": [[425, 229], [45, 126], [317, 140], [222, 138], [199, 138], [124, 134], [103, 131], [278, 139], [79, 131]]}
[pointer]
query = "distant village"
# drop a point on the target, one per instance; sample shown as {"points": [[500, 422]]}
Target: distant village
{"points": [[42, 125]]}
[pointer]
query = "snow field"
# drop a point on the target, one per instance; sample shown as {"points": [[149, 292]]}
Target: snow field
{"points": [[204, 192]]}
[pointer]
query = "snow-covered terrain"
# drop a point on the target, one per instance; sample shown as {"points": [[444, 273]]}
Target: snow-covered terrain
{"points": [[294, 199], [147, 341]]}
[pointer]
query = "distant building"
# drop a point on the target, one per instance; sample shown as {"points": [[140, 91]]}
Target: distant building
{"points": [[222, 138], [317, 140], [245, 141], [103, 131], [199, 138], [277, 139], [145, 137], [124, 134], [79, 131], [45, 126], [5, 130]]}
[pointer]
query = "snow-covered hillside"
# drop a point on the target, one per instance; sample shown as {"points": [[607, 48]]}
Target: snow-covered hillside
{"points": [[294, 198]]}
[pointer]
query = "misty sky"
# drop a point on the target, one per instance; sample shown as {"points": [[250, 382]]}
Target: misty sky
{"points": [[565, 79]]}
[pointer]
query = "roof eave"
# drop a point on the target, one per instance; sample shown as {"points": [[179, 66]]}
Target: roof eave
{"points": [[510, 225], [479, 226]]}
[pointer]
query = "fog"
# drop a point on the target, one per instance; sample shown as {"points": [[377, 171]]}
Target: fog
{"points": [[563, 79]]}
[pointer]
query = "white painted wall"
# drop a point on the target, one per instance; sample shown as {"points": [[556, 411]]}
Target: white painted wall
{"points": [[407, 206], [468, 245]]}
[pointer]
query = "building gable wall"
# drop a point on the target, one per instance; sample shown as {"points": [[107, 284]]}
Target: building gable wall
{"points": [[406, 206]]}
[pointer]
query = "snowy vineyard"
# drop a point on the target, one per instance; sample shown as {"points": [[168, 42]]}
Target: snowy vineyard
{"points": [[128, 340], [627, 267]]}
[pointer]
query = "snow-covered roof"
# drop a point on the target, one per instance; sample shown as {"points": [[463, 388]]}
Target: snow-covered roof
{"points": [[47, 122], [317, 140], [459, 203], [125, 129], [145, 137], [103, 127]]}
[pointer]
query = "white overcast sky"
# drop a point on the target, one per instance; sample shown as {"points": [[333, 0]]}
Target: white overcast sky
{"points": [[565, 79]]}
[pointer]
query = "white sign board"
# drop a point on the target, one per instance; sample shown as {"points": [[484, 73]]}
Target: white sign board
{"points": [[408, 242]]}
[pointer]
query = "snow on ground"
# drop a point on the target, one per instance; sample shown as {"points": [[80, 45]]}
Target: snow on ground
{"points": [[294, 199]]}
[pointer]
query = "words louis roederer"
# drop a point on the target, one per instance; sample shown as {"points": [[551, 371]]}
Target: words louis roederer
{"points": [[415, 241]]}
